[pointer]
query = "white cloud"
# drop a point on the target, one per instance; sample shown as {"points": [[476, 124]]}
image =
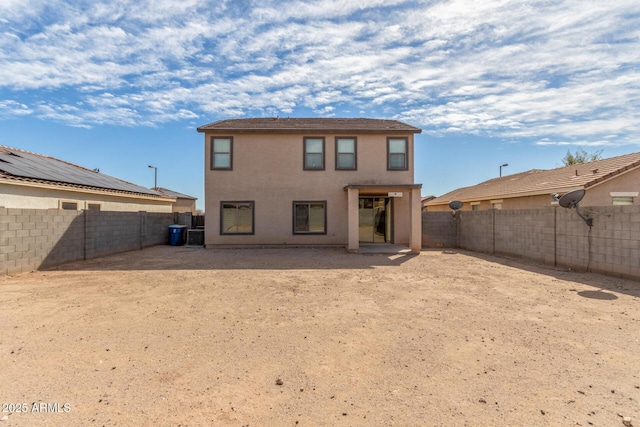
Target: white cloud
{"points": [[565, 71], [10, 108]]}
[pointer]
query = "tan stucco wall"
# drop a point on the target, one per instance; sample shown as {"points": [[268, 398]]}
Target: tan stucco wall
{"points": [[26, 197], [268, 169], [184, 205], [599, 195]]}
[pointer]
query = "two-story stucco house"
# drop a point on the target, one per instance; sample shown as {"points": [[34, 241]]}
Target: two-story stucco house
{"points": [[319, 181]]}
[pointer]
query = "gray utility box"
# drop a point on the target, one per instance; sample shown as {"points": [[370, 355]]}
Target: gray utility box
{"points": [[195, 237]]}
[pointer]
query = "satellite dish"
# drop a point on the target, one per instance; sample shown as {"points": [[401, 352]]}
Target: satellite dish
{"points": [[455, 205], [572, 198]]}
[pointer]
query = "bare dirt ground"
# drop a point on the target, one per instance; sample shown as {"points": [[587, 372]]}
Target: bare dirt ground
{"points": [[317, 337]]}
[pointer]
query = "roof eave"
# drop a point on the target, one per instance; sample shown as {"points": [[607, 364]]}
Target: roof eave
{"points": [[308, 130], [506, 196], [88, 190]]}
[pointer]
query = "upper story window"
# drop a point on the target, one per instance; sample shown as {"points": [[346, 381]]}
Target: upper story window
{"points": [[313, 153], [397, 154], [222, 153], [346, 153]]}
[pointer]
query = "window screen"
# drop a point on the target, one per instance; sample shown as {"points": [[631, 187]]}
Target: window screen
{"points": [[236, 218], [221, 153], [314, 153], [345, 153], [397, 153]]}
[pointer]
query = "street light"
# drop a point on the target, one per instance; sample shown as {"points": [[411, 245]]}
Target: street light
{"points": [[501, 166], [155, 180]]}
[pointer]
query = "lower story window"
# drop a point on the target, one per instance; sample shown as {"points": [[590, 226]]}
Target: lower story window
{"points": [[236, 217], [310, 217], [621, 198], [69, 206]]}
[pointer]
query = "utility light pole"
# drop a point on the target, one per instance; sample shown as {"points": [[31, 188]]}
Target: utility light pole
{"points": [[155, 179], [501, 166]]}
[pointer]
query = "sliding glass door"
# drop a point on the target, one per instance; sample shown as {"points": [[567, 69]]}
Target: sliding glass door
{"points": [[375, 219]]}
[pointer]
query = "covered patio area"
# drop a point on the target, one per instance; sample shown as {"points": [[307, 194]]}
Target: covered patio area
{"points": [[388, 214]]}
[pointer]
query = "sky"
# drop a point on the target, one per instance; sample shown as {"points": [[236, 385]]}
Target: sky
{"points": [[123, 84]]}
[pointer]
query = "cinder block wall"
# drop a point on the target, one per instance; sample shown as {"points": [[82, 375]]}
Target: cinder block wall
{"points": [[525, 233], [476, 230], [612, 247], [555, 236], [112, 232], [154, 226], [32, 239], [439, 230]]}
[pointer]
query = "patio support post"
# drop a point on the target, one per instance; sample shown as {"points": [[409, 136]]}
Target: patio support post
{"points": [[353, 221], [415, 218]]}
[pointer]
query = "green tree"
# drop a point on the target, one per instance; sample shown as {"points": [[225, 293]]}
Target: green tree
{"points": [[580, 156]]}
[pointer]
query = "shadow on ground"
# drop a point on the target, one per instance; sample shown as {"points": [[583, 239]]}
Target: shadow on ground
{"points": [[603, 283], [311, 258], [286, 258]]}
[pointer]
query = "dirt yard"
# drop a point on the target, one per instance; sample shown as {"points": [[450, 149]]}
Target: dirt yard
{"points": [[174, 336]]}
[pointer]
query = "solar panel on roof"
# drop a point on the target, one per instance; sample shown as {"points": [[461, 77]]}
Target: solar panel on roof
{"points": [[49, 169]]}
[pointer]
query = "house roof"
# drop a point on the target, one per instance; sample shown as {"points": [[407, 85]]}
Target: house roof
{"points": [[20, 166], [174, 193], [291, 125], [539, 182]]}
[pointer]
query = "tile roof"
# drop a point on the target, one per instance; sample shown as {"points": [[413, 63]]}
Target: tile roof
{"points": [[289, 125], [537, 182], [174, 193], [24, 166]]}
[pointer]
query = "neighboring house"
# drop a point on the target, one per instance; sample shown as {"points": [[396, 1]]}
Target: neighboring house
{"points": [[613, 181], [183, 202], [34, 181], [426, 199], [311, 182]]}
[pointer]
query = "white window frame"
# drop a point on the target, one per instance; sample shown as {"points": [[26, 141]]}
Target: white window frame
{"points": [[623, 196]]}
